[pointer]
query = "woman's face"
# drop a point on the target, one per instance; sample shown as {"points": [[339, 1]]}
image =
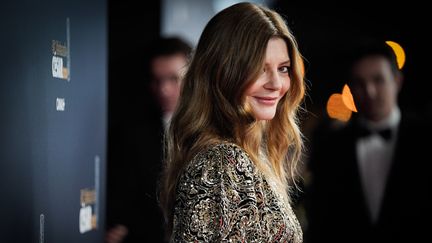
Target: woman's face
{"points": [[273, 82]]}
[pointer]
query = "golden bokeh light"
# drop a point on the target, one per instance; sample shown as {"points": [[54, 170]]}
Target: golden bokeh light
{"points": [[337, 109], [348, 99], [399, 52], [341, 106]]}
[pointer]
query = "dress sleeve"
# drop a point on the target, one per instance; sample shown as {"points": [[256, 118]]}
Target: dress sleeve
{"points": [[217, 200]]}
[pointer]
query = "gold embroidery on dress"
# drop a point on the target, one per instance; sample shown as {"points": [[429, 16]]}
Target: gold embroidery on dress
{"points": [[222, 197]]}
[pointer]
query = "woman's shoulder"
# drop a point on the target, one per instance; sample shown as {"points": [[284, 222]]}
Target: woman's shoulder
{"points": [[226, 151], [222, 156], [225, 148]]}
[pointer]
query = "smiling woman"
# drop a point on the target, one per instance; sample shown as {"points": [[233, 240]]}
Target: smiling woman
{"points": [[233, 143]]}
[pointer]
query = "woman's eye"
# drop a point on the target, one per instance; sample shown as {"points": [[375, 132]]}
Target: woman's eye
{"points": [[284, 69]]}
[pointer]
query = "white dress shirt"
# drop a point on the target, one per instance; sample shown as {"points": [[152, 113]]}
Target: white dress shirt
{"points": [[374, 156]]}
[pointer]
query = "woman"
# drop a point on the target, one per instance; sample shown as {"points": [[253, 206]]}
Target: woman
{"points": [[233, 143]]}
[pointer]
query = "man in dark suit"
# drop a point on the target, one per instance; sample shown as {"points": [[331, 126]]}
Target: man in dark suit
{"points": [[369, 178]]}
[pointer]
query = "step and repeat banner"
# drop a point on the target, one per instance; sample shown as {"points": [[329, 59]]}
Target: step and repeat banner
{"points": [[53, 120]]}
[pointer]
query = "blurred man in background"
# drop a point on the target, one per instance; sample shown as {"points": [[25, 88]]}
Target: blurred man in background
{"points": [[135, 209], [168, 63], [369, 180]]}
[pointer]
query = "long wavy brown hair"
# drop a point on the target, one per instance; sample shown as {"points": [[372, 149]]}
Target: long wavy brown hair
{"points": [[212, 108]]}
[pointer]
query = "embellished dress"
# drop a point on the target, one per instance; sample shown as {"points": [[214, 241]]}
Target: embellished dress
{"points": [[222, 197]]}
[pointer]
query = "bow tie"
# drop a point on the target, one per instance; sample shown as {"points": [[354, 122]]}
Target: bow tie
{"points": [[386, 133]]}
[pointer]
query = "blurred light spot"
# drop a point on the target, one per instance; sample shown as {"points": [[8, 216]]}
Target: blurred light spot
{"points": [[348, 99], [399, 52], [337, 109]]}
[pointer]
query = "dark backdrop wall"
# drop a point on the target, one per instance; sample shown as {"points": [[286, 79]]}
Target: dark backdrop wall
{"points": [[53, 120]]}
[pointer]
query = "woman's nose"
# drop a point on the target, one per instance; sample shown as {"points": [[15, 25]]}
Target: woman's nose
{"points": [[274, 81]]}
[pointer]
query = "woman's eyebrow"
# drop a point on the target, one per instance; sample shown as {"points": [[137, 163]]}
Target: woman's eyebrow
{"points": [[288, 62]]}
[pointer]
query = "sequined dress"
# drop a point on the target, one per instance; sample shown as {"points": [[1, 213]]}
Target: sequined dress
{"points": [[222, 197]]}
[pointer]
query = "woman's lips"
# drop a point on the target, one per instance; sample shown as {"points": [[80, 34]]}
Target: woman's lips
{"points": [[266, 100]]}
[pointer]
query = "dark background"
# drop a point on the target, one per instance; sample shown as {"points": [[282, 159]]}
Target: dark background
{"points": [[326, 34]]}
